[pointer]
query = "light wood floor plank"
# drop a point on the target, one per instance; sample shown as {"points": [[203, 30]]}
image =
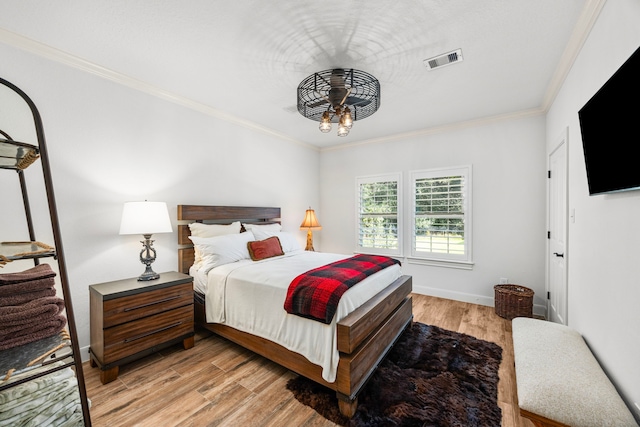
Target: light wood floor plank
{"points": [[223, 405], [218, 383], [264, 409]]}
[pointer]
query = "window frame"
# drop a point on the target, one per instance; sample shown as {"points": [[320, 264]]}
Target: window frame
{"points": [[465, 260], [397, 177]]}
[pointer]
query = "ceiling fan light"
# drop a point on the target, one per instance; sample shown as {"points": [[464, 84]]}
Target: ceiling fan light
{"points": [[343, 130], [346, 118], [325, 127], [325, 123]]}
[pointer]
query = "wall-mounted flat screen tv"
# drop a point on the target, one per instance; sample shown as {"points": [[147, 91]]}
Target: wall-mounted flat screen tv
{"points": [[610, 127]]}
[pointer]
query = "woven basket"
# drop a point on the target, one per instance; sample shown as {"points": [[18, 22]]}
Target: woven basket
{"points": [[513, 301]]}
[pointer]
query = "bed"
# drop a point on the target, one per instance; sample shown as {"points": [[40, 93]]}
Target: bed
{"points": [[343, 354]]}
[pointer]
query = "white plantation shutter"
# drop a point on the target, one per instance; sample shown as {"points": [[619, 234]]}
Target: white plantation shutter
{"points": [[441, 214], [378, 212]]}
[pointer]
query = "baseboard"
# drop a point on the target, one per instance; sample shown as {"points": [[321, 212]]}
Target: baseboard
{"points": [[538, 310], [84, 354]]}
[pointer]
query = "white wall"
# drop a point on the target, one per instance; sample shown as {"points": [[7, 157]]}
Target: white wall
{"points": [[109, 144], [603, 254], [509, 184]]}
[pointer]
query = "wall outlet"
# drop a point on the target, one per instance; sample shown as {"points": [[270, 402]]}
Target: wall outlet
{"points": [[504, 281]]}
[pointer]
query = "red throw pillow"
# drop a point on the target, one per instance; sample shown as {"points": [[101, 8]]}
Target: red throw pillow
{"points": [[266, 248]]}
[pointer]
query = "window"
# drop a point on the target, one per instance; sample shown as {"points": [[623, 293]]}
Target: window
{"points": [[378, 214], [441, 214]]}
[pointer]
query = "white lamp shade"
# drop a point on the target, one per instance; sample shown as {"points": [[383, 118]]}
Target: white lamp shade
{"points": [[145, 218]]}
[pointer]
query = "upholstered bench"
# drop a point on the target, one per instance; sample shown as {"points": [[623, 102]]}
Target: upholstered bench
{"points": [[559, 381]]}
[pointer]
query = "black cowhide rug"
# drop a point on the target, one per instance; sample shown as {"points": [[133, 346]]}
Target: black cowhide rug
{"points": [[431, 377]]}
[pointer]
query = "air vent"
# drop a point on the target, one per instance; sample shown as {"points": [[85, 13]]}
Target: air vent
{"points": [[444, 59]]}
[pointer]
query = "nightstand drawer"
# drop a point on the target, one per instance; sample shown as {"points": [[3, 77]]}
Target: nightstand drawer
{"points": [[127, 339], [125, 309]]}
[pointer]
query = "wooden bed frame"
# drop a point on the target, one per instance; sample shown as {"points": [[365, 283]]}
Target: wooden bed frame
{"points": [[364, 336]]}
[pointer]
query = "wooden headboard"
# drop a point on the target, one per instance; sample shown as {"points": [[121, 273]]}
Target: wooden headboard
{"points": [[215, 215]]}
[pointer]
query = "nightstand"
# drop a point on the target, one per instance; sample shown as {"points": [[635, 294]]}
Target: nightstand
{"points": [[131, 319]]}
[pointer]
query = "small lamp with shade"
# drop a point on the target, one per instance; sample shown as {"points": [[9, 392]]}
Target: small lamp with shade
{"points": [[146, 218], [309, 223]]}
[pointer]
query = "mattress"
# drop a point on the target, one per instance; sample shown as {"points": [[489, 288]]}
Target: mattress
{"points": [[249, 296]]}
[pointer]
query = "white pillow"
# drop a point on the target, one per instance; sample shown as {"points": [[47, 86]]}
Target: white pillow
{"points": [[220, 250], [210, 230], [287, 240], [263, 227]]}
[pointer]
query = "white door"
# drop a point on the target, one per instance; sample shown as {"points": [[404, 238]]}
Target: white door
{"points": [[557, 291]]}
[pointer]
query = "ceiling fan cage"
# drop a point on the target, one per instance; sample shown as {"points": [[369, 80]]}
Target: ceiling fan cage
{"points": [[329, 89]]}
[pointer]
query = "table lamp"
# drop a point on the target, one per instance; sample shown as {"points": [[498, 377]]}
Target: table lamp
{"points": [[310, 223], [146, 218]]}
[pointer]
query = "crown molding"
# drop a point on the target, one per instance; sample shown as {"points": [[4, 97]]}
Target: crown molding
{"points": [[443, 128], [78, 63], [579, 36]]}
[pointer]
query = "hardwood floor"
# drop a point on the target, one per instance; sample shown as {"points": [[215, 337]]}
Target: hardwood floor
{"points": [[218, 383]]}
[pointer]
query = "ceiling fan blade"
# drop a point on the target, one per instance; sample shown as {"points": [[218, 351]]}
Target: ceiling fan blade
{"points": [[346, 95], [317, 103], [360, 102]]}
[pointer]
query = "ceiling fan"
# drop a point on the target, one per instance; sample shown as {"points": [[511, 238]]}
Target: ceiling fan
{"points": [[340, 96], [339, 90]]}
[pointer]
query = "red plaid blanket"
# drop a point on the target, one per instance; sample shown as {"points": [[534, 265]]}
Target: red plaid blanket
{"points": [[316, 293]]}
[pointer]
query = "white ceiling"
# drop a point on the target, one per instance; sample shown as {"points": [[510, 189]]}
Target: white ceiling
{"points": [[244, 59]]}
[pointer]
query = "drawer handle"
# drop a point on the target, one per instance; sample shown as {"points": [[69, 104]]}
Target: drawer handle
{"points": [[128, 340], [151, 303]]}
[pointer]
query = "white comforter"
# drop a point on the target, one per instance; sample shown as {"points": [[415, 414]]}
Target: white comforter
{"points": [[249, 296]]}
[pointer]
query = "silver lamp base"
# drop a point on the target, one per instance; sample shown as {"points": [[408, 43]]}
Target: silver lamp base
{"points": [[148, 274], [147, 256]]}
